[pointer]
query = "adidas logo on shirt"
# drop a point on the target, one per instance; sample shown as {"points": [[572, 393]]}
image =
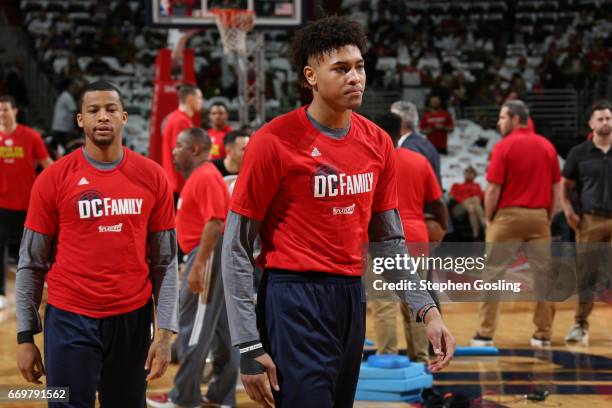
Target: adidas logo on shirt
{"points": [[83, 181], [315, 152]]}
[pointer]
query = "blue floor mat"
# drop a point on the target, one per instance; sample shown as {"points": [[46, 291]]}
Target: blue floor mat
{"points": [[396, 386], [374, 373]]}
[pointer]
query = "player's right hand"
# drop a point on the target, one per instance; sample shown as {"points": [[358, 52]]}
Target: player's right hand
{"points": [[256, 386], [195, 278], [30, 362]]}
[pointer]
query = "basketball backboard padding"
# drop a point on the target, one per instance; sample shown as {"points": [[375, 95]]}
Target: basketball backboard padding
{"points": [[196, 13]]}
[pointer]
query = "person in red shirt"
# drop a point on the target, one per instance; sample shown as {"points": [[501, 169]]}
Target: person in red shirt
{"points": [[200, 217], [418, 187], [105, 215], [190, 103], [437, 123], [522, 193], [218, 115], [317, 184], [469, 197], [21, 149]]}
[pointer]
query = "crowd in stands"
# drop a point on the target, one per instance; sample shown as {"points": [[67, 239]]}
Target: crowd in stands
{"points": [[467, 53], [478, 53]]}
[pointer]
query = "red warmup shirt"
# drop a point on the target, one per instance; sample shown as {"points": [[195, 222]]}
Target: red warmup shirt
{"points": [[203, 198], [217, 150], [19, 152], [526, 166], [176, 122], [100, 219], [438, 138], [462, 191], [416, 185], [314, 194]]}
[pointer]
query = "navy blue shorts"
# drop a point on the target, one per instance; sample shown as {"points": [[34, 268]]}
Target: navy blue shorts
{"points": [[313, 327], [105, 355]]}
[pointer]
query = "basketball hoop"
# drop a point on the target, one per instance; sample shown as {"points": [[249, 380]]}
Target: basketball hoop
{"points": [[234, 24]]}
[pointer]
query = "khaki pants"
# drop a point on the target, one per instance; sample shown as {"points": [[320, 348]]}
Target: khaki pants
{"points": [[512, 226], [591, 229], [473, 207], [385, 330]]}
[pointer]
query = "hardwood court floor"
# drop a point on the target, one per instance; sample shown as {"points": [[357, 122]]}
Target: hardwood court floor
{"points": [[576, 377]]}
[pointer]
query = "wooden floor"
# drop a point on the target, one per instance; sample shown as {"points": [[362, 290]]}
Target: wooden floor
{"points": [[575, 376]]}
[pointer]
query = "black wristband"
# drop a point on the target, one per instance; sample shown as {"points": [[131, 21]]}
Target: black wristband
{"points": [[25, 337], [248, 353], [421, 318], [250, 366]]}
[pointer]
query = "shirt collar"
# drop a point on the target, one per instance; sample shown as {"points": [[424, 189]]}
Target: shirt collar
{"points": [[403, 138]]}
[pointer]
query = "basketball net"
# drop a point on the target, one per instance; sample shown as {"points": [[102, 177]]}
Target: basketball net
{"points": [[234, 24]]}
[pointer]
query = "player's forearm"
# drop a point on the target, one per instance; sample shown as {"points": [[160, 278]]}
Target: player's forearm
{"points": [[555, 199], [34, 255], [387, 240], [210, 235], [492, 194], [566, 195], [164, 277], [440, 213], [237, 264]]}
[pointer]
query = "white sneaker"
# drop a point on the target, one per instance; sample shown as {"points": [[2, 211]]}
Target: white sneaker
{"points": [[539, 343], [578, 334], [3, 302], [481, 341]]}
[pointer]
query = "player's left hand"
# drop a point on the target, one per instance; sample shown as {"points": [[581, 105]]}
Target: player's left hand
{"points": [[441, 339], [159, 355], [196, 277]]}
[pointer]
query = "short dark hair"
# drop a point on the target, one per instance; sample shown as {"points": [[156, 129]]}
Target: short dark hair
{"points": [[518, 108], [212, 105], [390, 123], [600, 105], [198, 136], [231, 137], [8, 99], [185, 90], [99, 86], [321, 37]]}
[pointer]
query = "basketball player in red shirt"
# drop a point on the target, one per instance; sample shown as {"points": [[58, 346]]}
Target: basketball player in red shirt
{"points": [[190, 103], [218, 115], [21, 149], [317, 184], [103, 217]]}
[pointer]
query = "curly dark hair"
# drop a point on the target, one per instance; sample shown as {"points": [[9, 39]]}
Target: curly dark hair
{"points": [[323, 36]]}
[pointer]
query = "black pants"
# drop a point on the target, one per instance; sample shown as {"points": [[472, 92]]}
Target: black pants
{"points": [[107, 355], [313, 327], [11, 230]]}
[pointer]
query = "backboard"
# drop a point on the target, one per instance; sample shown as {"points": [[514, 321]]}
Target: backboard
{"points": [[196, 13]]}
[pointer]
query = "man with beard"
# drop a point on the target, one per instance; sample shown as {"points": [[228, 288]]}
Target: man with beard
{"points": [[103, 217], [518, 208], [588, 169]]}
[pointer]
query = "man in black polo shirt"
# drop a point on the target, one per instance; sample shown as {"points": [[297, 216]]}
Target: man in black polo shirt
{"points": [[589, 169], [235, 144]]}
